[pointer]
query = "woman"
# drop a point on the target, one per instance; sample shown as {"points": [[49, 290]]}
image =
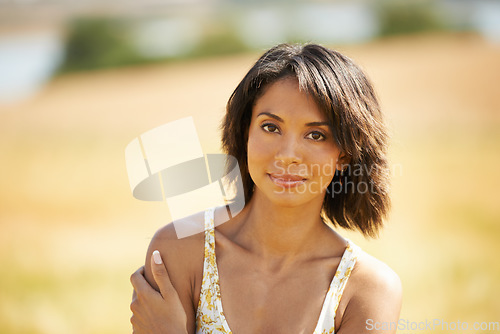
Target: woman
{"points": [[307, 131]]}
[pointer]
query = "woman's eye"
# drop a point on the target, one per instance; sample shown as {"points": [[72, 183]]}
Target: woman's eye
{"points": [[270, 127], [317, 136]]}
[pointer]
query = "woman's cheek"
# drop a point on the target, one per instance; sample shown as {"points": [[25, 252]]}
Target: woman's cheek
{"points": [[257, 143], [257, 150], [326, 169]]}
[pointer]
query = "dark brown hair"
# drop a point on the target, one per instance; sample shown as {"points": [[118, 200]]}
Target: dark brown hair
{"points": [[346, 96]]}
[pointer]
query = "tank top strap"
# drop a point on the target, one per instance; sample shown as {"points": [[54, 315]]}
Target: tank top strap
{"points": [[209, 218], [344, 270], [336, 289], [210, 266], [209, 315]]}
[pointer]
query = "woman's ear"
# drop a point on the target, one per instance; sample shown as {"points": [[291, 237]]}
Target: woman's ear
{"points": [[343, 161]]}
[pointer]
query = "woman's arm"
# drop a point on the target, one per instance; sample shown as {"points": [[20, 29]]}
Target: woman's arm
{"points": [[156, 312], [375, 301], [178, 259]]}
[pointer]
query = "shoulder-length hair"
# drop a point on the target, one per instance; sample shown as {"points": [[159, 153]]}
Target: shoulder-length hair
{"points": [[358, 198]]}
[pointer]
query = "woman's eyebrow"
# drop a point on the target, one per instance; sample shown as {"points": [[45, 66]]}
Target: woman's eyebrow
{"points": [[276, 117], [318, 123]]}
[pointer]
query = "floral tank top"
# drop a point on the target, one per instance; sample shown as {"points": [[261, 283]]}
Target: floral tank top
{"points": [[210, 316]]}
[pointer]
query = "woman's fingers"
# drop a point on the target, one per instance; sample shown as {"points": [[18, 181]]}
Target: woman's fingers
{"points": [[139, 282], [156, 312], [160, 274]]}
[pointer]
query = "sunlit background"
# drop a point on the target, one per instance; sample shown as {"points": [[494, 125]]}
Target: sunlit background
{"points": [[80, 79]]}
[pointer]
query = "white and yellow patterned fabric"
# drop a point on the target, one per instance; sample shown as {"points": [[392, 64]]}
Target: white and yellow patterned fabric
{"points": [[210, 316]]}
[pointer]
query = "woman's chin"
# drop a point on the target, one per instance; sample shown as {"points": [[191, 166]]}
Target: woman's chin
{"points": [[288, 198]]}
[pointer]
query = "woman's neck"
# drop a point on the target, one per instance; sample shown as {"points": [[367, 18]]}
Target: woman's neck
{"points": [[279, 233]]}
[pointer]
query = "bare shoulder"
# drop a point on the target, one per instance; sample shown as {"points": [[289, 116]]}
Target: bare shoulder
{"points": [[183, 257], [375, 276], [167, 237], [373, 296]]}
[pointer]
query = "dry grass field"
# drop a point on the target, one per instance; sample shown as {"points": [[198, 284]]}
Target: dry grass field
{"points": [[71, 232]]}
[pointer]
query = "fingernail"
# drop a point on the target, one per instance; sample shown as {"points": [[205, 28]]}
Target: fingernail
{"points": [[157, 257]]}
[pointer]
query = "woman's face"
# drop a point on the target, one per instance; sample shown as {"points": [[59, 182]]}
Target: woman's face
{"points": [[292, 155]]}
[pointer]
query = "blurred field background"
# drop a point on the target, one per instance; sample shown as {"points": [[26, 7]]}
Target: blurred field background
{"points": [[71, 231]]}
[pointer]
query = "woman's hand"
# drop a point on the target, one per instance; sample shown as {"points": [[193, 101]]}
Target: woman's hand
{"points": [[156, 312]]}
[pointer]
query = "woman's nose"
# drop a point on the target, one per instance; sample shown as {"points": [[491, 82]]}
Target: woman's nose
{"points": [[289, 151]]}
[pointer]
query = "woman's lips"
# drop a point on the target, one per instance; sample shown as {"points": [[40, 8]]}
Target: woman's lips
{"points": [[287, 180]]}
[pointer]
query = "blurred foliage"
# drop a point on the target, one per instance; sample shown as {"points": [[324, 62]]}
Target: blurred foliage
{"points": [[97, 43], [94, 43], [220, 39], [405, 17]]}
